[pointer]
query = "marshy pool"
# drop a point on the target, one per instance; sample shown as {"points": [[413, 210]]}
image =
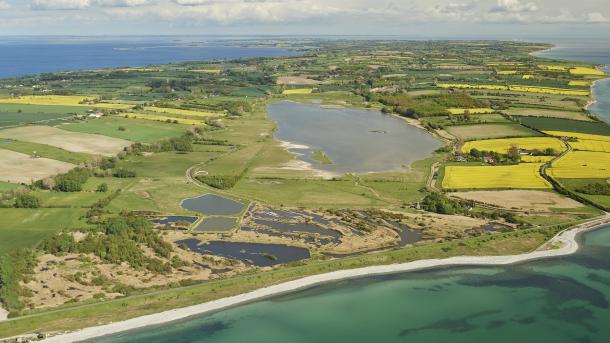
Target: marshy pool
{"points": [[212, 204], [257, 254], [215, 224], [356, 140], [169, 220]]}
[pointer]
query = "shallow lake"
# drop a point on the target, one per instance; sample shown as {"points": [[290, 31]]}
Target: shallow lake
{"points": [[258, 254], [356, 140], [212, 204]]}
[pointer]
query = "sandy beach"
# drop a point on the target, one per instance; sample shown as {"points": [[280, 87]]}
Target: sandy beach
{"points": [[564, 243]]}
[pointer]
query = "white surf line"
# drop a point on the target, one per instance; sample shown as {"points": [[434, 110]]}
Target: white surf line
{"points": [[567, 240]]}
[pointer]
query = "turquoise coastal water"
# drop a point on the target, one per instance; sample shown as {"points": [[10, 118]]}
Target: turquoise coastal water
{"points": [[593, 51], [557, 300]]}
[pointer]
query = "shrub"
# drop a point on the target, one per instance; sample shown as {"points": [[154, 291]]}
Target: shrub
{"points": [[26, 201]]}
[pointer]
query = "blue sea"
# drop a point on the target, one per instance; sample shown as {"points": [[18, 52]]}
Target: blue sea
{"points": [[20, 56], [587, 50]]}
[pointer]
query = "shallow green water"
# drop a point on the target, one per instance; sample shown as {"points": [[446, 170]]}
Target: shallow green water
{"points": [[356, 140], [558, 300]]}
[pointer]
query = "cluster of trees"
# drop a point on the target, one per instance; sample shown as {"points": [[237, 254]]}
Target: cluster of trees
{"points": [[71, 181], [117, 240], [512, 157], [597, 188], [15, 267], [26, 201], [439, 203], [180, 144], [427, 105], [219, 181]]}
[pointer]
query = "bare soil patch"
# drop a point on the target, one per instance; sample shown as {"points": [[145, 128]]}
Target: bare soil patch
{"points": [[21, 168], [67, 140], [526, 200]]}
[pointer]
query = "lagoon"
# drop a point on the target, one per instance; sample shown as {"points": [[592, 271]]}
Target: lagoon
{"points": [[356, 140]]}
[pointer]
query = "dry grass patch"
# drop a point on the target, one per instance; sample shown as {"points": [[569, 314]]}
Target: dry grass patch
{"points": [[21, 168], [67, 140], [525, 200]]}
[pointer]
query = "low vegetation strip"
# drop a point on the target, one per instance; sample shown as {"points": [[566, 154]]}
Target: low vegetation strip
{"points": [[502, 146], [581, 164], [471, 110], [521, 176], [166, 119]]}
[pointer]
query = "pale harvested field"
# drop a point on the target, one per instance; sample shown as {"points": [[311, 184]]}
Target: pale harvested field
{"points": [[296, 80], [520, 199], [21, 168], [534, 112], [67, 140]]}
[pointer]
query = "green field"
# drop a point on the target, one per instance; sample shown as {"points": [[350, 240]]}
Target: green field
{"points": [[47, 151], [15, 115], [24, 228], [555, 124], [573, 184], [7, 186], [136, 130], [485, 131]]}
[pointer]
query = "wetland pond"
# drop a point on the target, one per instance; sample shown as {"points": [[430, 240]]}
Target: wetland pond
{"points": [[355, 140], [258, 254]]}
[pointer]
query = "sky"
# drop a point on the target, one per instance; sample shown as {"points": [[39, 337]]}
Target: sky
{"points": [[409, 18]]}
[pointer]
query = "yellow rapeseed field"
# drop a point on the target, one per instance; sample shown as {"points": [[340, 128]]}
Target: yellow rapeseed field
{"points": [[591, 145], [188, 113], [578, 83], [525, 176], [503, 144], [506, 72], [527, 76], [582, 164], [208, 71], [536, 159], [518, 88], [471, 110], [165, 118], [552, 67], [586, 71], [585, 136], [549, 90], [62, 100], [298, 91]]}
